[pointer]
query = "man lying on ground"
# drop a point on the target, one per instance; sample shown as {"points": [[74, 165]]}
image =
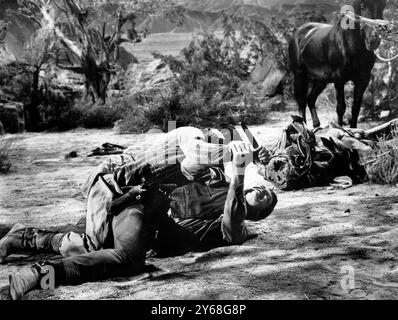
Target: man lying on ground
{"points": [[128, 212]]}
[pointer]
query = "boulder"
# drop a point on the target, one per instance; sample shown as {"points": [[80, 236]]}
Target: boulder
{"points": [[12, 117], [125, 57], [144, 79], [5, 56], [268, 78]]}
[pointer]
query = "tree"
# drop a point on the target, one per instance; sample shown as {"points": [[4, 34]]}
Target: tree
{"points": [[39, 50], [91, 31]]}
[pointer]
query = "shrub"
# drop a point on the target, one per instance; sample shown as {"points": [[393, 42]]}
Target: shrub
{"points": [[102, 116], [134, 121], [15, 82], [382, 168], [209, 89], [56, 111]]}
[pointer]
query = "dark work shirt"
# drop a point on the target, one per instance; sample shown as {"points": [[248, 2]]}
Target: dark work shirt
{"points": [[199, 210]]}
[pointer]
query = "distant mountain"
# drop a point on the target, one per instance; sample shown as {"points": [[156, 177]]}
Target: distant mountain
{"points": [[208, 13], [220, 5], [192, 21]]}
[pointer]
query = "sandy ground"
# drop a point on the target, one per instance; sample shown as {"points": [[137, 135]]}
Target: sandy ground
{"points": [[312, 241]]}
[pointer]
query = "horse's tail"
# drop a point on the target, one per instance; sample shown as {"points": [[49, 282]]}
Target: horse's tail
{"points": [[296, 66], [294, 53]]}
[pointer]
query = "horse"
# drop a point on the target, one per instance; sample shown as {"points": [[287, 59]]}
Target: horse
{"points": [[320, 54]]}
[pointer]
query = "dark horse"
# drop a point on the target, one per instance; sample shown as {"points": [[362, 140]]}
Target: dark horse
{"points": [[321, 53]]}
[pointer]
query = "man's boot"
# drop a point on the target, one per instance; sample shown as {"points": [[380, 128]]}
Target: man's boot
{"points": [[22, 239], [25, 281]]}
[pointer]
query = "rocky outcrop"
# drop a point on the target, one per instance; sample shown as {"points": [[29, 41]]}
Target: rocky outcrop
{"points": [[12, 117], [268, 78], [144, 79], [5, 56], [19, 29], [125, 58]]}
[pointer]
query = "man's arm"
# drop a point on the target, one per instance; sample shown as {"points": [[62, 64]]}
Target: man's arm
{"points": [[183, 143], [233, 224], [110, 165], [196, 150]]}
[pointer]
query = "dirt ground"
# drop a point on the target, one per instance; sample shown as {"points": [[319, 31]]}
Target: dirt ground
{"points": [[305, 250]]}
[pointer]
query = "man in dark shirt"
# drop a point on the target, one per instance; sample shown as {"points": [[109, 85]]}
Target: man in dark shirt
{"points": [[207, 212], [209, 209]]}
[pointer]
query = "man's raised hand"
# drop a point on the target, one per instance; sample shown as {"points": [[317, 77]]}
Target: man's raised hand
{"points": [[242, 155]]}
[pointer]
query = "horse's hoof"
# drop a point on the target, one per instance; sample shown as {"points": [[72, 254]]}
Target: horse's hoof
{"points": [[353, 125], [317, 125]]}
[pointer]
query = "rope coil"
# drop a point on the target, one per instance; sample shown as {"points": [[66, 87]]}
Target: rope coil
{"points": [[386, 29]]}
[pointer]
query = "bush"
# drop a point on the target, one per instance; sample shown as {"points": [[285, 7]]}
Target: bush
{"points": [[209, 89], [134, 121], [15, 82], [61, 111], [383, 166], [57, 111], [102, 116]]}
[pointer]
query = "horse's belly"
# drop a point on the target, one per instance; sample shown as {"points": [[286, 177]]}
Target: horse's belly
{"points": [[321, 74], [327, 74]]}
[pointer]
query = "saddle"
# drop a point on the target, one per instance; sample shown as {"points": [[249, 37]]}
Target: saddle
{"points": [[301, 159], [292, 157]]}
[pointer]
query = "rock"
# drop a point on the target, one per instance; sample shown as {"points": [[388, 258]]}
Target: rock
{"points": [[385, 114], [12, 117], [72, 155], [358, 293], [125, 58], [5, 56], [43, 162], [268, 78], [145, 79]]}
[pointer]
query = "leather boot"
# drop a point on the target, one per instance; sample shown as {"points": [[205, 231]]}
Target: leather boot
{"points": [[24, 281], [22, 239]]}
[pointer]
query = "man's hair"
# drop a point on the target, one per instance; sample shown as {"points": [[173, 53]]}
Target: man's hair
{"points": [[257, 214]]}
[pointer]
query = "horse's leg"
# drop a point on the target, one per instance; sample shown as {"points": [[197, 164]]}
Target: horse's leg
{"points": [[312, 97], [341, 105], [360, 87], [300, 93]]}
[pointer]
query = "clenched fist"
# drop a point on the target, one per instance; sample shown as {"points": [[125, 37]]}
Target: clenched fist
{"points": [[242, 155]]}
